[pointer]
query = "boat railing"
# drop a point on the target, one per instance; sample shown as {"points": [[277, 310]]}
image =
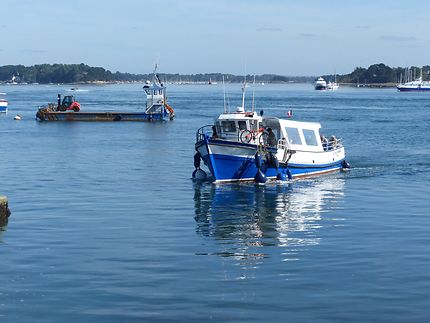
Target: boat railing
{"points": [[329, 144], [204, 132], [283, 144], [208, 132], [332, 143]]}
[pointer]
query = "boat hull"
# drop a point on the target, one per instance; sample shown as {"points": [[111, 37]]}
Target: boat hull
{"points": [[320, 87], [3, 106], [236, 162], [413, 89], [98, 116]]}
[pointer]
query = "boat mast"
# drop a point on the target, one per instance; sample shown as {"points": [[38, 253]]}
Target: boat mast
{"points": [[253, 97], [243, 93], [223, 87]]}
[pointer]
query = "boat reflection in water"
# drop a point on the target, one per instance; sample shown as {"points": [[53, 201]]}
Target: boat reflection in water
{"points": [[244, 219]]}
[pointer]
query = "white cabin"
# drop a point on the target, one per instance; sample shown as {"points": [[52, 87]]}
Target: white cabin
{"points": [[231, 125]]}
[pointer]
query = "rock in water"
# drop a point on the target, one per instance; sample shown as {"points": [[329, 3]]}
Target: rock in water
{"points": [[4, 210]]}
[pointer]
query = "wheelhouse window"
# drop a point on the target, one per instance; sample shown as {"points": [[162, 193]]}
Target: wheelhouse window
{"points": [[253, 125], [242, 125], [218, 127], [228, 126], [293, 136], [310, 137]]}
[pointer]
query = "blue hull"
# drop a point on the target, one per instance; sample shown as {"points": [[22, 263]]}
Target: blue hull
{"points": [[3, 109], [414, 89], [233, 168]]}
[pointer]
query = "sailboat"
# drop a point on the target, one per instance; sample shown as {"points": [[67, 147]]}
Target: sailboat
{"points": [[333, 85]]}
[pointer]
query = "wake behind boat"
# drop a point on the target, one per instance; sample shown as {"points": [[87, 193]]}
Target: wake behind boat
{"points": [[244, 146]]}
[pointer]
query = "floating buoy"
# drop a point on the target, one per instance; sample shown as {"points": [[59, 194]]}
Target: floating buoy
{"points": [[17, 117], [260, 177], [199, 174], [281, 176], [345, 165]]}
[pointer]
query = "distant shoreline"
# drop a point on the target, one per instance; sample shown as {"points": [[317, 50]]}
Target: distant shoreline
{"points": [[95, 83]]}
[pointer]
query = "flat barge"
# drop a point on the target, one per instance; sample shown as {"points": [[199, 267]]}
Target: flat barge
{"points": [[69, 109], [44, 114]]}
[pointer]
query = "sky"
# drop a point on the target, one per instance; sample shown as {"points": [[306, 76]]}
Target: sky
{"points": [[300, 37]]}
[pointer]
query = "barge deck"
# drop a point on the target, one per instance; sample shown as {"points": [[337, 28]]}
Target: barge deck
{"points": [[44, 114]]}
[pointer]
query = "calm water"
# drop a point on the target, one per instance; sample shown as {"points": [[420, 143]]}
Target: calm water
{"points": [[107, 226]]}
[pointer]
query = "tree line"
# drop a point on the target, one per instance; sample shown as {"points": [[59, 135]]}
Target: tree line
{"points": [[82, 73], [382, 74]]}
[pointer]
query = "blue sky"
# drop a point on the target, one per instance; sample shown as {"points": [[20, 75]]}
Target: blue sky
{"points": [[307, 37]]}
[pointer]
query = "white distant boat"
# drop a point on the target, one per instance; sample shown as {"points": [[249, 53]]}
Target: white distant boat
{"points": [[415, 85], [333, 86], [320, 84], [3, 102], [14, 80]]}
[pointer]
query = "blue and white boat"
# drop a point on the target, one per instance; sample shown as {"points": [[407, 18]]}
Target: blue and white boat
{"points": [[238, 147], [3, 102], [416, 85]]}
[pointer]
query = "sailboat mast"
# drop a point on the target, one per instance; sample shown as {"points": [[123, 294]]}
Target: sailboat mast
{"points": [[223, 86], [243, 93], [253, 96]]}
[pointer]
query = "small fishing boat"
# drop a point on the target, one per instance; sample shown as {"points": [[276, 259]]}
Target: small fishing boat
{"points": [[156, 100], [320, 84], [3, 102], [245, 146]]}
